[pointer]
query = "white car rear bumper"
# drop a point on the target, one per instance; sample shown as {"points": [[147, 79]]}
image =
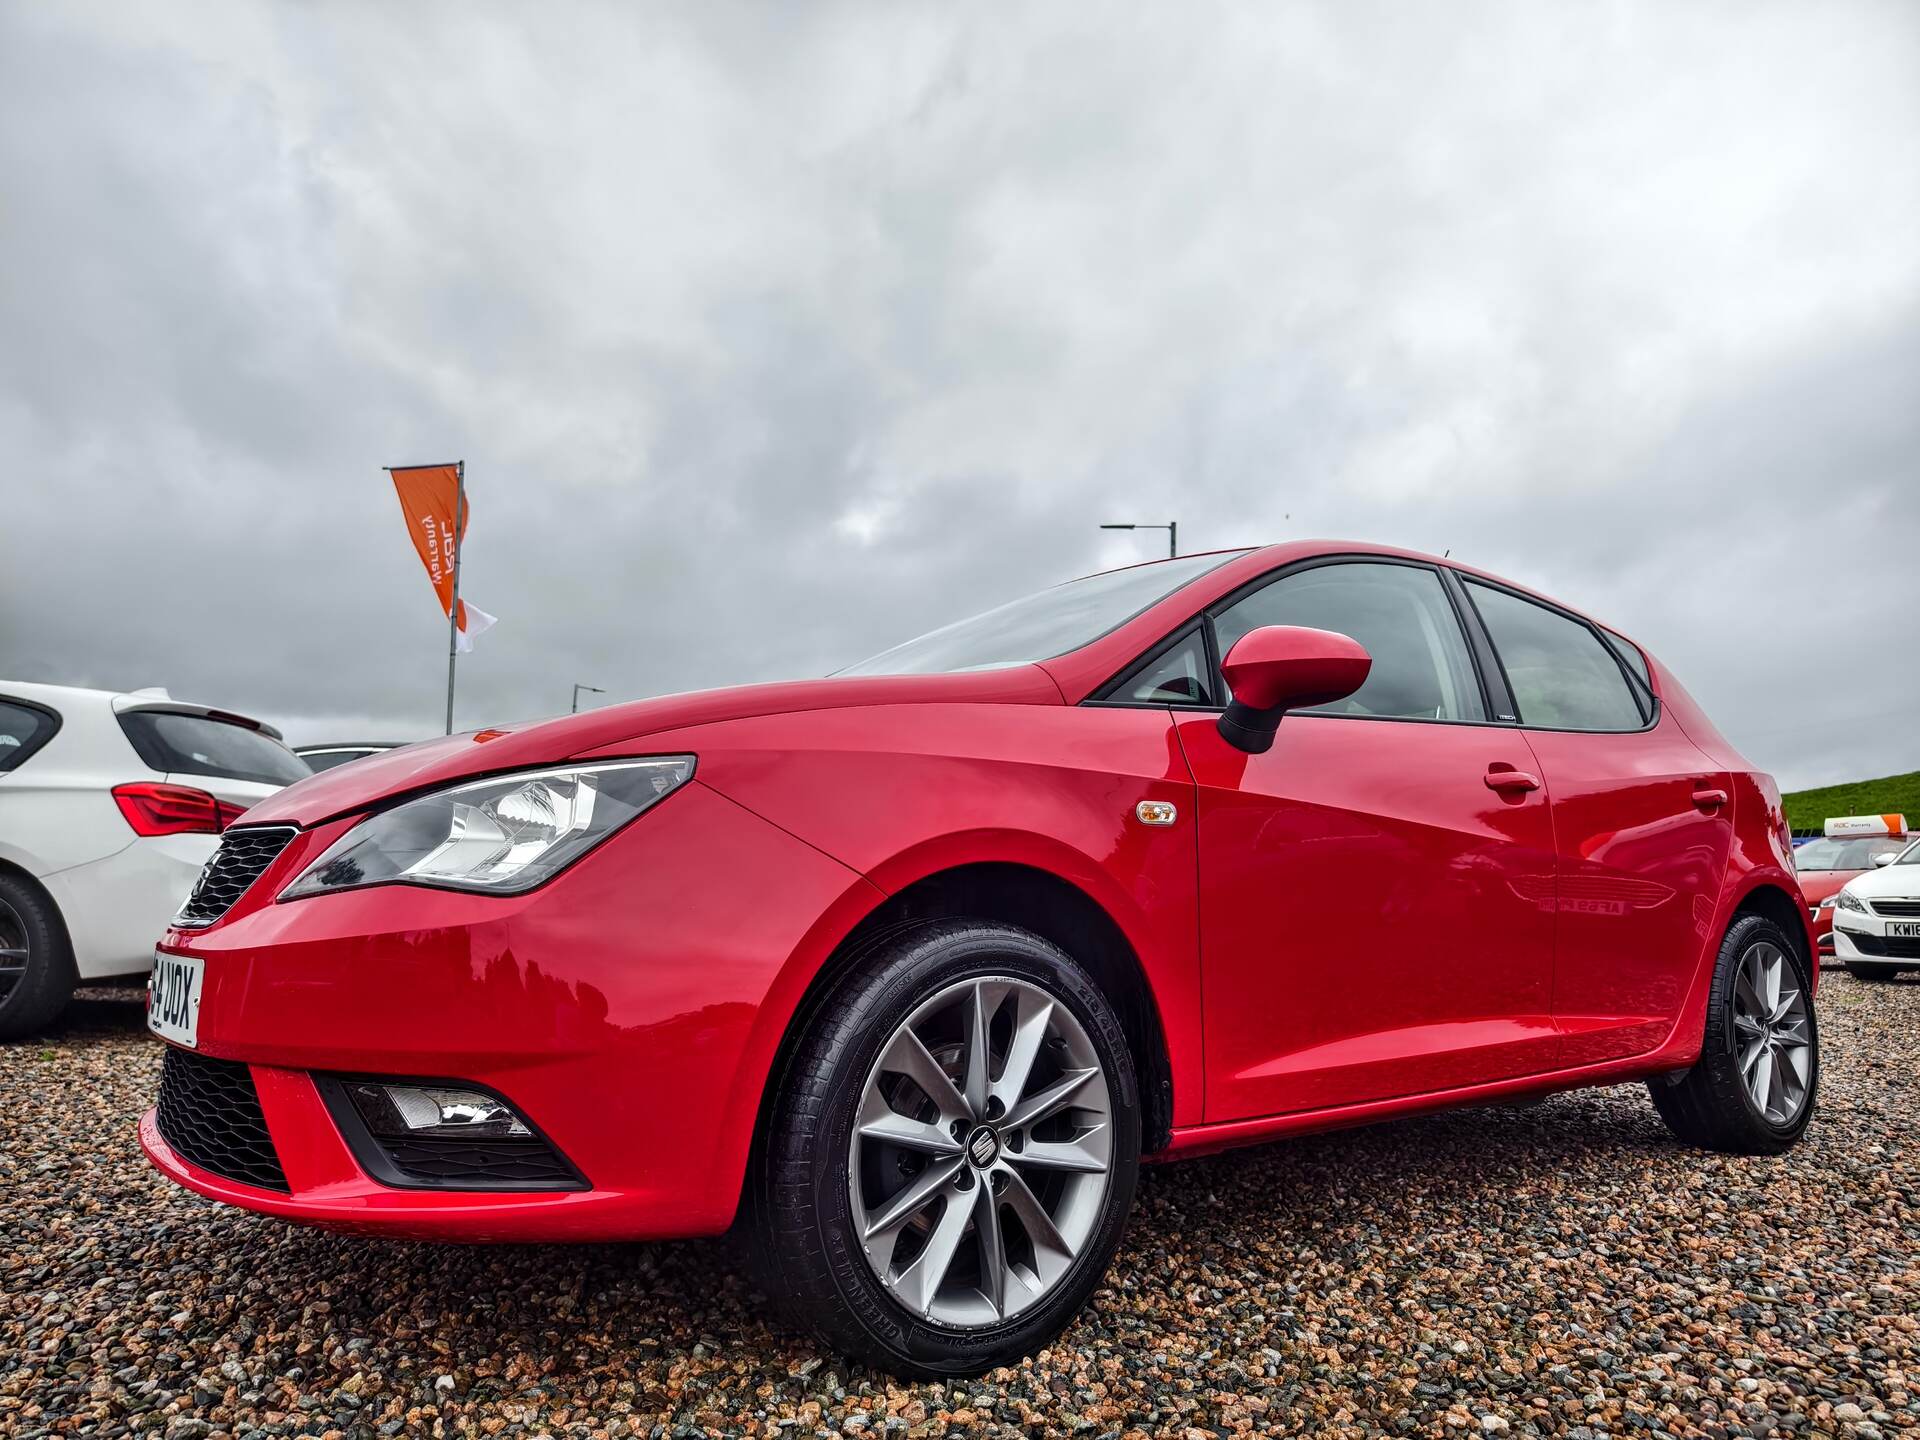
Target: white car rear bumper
{"points": [[116, 909]]}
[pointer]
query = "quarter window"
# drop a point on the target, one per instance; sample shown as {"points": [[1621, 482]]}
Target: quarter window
{"points": [[22, 731], [1561, 674], [1176, 676], [1400, 613]]}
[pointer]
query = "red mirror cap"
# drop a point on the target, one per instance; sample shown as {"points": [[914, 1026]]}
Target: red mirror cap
{"points": [[1293, 667]]}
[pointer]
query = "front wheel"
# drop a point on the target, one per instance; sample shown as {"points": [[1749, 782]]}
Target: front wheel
{"points": [[951, 1153], [1752, 1090]]}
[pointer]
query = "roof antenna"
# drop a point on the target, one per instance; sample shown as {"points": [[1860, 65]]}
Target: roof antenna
{"points": [[1446, 554]]}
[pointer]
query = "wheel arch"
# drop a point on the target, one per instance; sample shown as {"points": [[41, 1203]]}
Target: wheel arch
{"points": [[1031, 898], [26, 877], [1769, 899]]}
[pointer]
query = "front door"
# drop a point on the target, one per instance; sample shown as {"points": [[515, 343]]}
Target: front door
{"points": [[1376, 891]]}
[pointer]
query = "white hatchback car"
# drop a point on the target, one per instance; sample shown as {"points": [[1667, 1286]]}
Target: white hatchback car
{"points": [[1876, 918], [110, 804]]}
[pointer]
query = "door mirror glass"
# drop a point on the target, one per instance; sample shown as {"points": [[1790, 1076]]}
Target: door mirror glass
{"points": [[1278, 668]]}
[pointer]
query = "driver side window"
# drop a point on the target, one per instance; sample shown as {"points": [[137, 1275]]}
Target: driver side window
{"points": [[1400, 613]]}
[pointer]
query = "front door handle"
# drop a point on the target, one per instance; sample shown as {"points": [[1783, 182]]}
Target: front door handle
{"points": [[1512, 780], [1709, 800]]}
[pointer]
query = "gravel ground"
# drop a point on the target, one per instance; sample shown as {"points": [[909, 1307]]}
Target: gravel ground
{"points": [[1563, 1269]]}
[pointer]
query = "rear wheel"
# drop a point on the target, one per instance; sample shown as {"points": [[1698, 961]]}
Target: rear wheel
{"points": [[36, 965], [951, 1154], [1752, 1090]]}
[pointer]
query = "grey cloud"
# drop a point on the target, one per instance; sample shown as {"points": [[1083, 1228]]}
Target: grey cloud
{"points": [[772, 336]]}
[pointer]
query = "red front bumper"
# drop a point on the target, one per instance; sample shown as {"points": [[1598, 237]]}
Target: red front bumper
{"points": [[630, 1009]]}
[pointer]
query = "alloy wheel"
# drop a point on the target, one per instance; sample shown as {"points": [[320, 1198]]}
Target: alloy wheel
{"points": [[15, 950], [981, 1153], [1773, 1042]]}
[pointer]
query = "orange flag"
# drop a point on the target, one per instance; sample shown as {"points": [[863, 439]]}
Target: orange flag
{"points": [[428, 496]]}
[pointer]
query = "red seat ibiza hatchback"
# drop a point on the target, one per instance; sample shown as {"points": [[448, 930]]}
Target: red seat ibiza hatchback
{"points": [[902, 973]]}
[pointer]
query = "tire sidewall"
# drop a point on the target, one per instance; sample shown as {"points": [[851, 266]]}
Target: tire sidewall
{"points": [[1757, 930], [926, 967]]}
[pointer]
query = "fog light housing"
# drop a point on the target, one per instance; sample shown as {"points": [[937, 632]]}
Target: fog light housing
{"points": [[395, 1112], [442, 1135]]}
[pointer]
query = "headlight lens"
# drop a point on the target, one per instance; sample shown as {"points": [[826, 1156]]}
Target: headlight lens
{"points": [[502, 836], [1850, 902]]}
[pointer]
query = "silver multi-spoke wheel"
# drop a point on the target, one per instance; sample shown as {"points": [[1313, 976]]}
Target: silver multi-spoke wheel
{"points": [[982, 1152], [1772, 1039]]}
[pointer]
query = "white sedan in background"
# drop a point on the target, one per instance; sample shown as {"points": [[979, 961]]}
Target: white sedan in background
{"points": [[109, 806], [1876, 919]]}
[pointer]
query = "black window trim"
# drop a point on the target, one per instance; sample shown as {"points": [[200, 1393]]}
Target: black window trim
{"points": [[1649, 707], [23, 753], [1492, 683]]}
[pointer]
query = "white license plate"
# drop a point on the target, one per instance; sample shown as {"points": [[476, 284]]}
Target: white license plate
{"points": [[173, 997], [1903, 929]]}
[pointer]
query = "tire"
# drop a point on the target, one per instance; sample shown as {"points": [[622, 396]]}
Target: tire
{"points": [[32, 938], [1867, 970], [822, 1201], [1714, 1105]]}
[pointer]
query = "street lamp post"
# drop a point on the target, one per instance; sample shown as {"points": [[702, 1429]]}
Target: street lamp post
{"points": [[590, 689], [1172, 527]]}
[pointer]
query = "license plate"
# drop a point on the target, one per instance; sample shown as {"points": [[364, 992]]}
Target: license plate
{"points": [[173, 997], [1903, 929]]}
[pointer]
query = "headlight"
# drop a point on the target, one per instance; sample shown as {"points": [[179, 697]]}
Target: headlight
{"points": [[501, 836], [1850, 902]]}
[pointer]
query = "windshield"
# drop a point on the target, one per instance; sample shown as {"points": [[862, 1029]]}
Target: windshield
{"points": [[1842, 854], [1910, 855], [1041, 626]]}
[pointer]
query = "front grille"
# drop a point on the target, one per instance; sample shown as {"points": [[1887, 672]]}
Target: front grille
{"points": [[242, 856], [1893, 947], [1896, 907], [210, 1115]]}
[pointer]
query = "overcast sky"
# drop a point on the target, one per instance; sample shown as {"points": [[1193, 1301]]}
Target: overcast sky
{"points": [[772, 335]]}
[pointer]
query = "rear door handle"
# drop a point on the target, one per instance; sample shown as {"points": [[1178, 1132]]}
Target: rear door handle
{"points": [[1512, 780], [1705, 799]]}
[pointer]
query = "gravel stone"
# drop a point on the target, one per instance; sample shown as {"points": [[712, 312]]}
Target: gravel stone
{"points": [[1564, 1269]]}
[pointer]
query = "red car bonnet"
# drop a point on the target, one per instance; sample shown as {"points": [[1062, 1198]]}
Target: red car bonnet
{"points": [[365, 783]]}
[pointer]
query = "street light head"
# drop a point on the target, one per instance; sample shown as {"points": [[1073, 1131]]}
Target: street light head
{"points": [[1119, 527]]}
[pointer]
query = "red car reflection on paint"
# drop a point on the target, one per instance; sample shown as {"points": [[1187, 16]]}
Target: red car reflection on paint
{"points": [[906, 970]]}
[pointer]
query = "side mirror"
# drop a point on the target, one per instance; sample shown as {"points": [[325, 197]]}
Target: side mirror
{"points": [[1885, 857], [1278, 668]]}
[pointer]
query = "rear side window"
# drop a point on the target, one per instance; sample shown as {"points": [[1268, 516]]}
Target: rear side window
{"points": [[23, 730], [201, 745], [1400, 613], [1562, 675]]}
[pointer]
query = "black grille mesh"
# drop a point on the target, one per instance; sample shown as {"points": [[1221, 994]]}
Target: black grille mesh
{"points": [[210, 1115], [242, 855], [1902, 947], [500, 1164], [1895, 907]]}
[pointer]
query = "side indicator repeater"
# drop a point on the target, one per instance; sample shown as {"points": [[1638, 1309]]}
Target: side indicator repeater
{"points": [[1155, 812]]}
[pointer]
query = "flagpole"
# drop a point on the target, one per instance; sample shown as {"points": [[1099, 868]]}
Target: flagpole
{"points": [[453, 610]]}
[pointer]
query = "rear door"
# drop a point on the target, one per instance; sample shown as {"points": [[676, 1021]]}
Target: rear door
{"points": [[1642, 825], [1375, 890]]}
